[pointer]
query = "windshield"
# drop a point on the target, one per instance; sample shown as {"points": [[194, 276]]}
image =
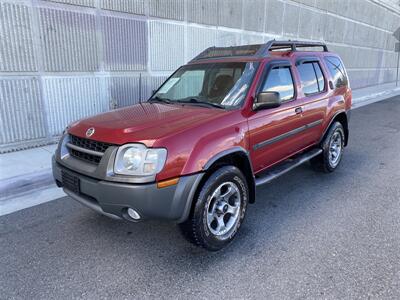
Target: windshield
{"points": [[222, 85]]}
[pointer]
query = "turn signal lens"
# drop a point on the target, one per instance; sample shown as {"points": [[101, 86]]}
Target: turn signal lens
{"points": [[169, 182]]}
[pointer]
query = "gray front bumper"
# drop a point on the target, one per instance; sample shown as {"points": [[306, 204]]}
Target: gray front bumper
{"points": [[112, 199]]}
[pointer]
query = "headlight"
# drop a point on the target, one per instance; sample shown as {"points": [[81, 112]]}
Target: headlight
{"points": [[137, 159]]}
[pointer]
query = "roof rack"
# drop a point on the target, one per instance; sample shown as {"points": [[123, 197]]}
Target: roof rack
{"points": [[257, 50], [292, 45]]}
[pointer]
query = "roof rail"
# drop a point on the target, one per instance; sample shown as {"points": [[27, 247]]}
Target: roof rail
{"points": [[258, 50]]}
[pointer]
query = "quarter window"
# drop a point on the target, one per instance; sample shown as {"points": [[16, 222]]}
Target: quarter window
{"points": [[337, 71], [280, 80]]}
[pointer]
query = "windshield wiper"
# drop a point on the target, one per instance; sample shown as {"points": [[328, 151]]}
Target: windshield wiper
{"points": [[197, 101], [159, 99]]}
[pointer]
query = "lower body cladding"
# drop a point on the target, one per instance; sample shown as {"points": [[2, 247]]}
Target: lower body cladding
{"points": [[131, 202]]}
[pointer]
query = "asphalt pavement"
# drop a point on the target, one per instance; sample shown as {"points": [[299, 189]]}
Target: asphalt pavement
{"points": [[309, 235]]}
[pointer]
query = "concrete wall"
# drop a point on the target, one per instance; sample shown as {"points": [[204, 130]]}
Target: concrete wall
{"points": [[62, 60]]}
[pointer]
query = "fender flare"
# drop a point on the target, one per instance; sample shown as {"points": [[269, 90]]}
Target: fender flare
{"points": [[250, 179], [331, 122], [226, 152]]}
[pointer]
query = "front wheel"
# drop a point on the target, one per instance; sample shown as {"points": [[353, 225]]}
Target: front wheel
{"points": [[332, 149], [219, 209]]}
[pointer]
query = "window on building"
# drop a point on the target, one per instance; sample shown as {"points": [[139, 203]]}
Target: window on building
{"points": [[280, 80]]}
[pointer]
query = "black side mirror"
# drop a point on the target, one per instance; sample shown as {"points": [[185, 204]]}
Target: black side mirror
{"points": [[266, 100]]}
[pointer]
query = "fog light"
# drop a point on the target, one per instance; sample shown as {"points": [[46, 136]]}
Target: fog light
{"points": [[133, 214]]}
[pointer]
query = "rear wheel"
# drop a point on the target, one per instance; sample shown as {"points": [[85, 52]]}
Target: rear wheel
{"points": [[332, 149], [219, 209]]}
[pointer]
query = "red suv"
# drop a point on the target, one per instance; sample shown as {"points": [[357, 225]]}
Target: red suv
{"points": [[231, 119]]}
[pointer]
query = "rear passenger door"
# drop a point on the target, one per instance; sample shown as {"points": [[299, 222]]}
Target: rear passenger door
{"points": [[313, 99]]}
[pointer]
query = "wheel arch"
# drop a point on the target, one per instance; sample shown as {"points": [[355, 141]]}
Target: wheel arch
{"points": [[343, 118], [238, 157]]}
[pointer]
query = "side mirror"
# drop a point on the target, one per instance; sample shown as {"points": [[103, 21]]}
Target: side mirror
{"points": [[266, 100]]}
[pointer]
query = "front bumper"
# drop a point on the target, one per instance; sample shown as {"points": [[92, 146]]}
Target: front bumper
{"points": [[112, 199]]}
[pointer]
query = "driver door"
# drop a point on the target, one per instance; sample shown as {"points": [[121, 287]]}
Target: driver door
{"points": [[272, 132]]}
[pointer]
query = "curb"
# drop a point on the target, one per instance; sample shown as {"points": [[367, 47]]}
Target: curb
{"points": [[19, 185], [372, 98]]}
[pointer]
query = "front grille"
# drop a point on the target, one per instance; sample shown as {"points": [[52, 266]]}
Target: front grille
{"points": [[87, 144]]}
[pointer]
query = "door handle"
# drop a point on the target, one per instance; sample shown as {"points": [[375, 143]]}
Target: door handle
{"points": [[298, 110]]}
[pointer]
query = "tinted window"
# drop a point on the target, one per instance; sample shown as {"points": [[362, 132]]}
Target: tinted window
{"points": [[336, 69], [320, 76], [308, 78], [280, 80]]}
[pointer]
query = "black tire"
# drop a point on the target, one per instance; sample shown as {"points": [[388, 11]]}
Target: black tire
{"points": [[324, 161], [197, 229]]}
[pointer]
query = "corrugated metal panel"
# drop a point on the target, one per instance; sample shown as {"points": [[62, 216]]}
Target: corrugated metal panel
{"points": [[291, 20], [199, 39], [228, 38], [72, 98], [230, 13], [254, 15], [273, 22], [319, 26], [169, 9], [21, 111], [89, 3], [128, 6], [248, 38], [69, 40], [203, 11], [150, 84], [306, 23], [16, 52], [123, 91], [125, 44], [306, 2], [166, 46]]}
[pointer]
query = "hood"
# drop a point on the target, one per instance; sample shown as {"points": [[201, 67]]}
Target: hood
{"points": [[144, 123]]}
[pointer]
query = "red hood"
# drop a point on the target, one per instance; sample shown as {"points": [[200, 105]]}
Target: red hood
{"points": [[144, 122]]}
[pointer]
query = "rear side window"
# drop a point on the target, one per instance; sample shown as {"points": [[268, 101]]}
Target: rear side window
{"points": [[280, 80], [337, 71], [311, 78]]}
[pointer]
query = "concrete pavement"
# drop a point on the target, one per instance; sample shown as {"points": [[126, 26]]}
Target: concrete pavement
{"points": [[309, 235]]}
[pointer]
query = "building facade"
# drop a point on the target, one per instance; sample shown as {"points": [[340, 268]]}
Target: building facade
{"points": [[62, 60]]}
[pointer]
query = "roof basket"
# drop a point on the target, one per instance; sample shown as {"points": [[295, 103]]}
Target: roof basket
{"points": [[258, 50]]}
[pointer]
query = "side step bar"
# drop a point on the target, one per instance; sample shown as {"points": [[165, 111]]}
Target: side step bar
{"points": [[285, 166]]}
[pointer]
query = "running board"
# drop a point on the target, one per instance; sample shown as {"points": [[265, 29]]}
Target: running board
{"points": [[285, 166]]}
